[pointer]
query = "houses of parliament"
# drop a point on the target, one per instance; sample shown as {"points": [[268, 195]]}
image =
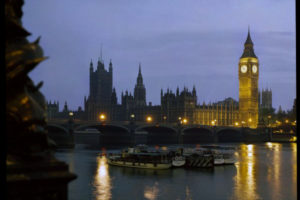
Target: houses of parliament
{"points": [[102, 99]]}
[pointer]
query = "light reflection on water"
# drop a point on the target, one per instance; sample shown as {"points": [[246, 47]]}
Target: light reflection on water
{"points": [[245, 182], [263, 171], [102, 180]]}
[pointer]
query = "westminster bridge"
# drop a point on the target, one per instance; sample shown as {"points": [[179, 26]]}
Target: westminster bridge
{"points": [[119, 133]]}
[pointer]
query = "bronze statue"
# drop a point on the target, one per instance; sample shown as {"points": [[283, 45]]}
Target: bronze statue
{"points": [[25, 105], [30, 161]]}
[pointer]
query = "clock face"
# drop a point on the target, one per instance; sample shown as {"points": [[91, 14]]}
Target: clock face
{"points": [[244, 68], [254, 68]]}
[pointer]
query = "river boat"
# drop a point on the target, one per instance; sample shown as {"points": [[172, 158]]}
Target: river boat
{"points": [[223, 154], [134, 157], [198, 158]]}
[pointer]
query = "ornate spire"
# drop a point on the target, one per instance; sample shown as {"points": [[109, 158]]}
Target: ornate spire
{"points": [[140, 77], [248, 50], [248, 41]]}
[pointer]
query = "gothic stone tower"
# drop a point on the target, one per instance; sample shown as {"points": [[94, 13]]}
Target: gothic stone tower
{"points": [[99, 100], [248, 85], [140, 91]]}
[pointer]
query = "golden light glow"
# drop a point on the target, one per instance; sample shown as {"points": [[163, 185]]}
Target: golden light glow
{"points": [[286, 121], [293, 139], [269, 145], [102, 181], [151, 192], [71, 113], [269, 116], [245, 184], [102, 117], [250, 150], [165, 117], [213, 123], [149, 119], [250, 120], [132, 116], [184, 121], [236, 123], [179, 118]]}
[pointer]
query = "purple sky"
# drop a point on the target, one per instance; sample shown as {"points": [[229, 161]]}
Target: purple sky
{"points": [[179, 43]]}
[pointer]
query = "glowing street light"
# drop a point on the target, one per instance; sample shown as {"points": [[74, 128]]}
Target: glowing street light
{"points": [[179, 118], [243, 122], [165, 117], [213, 123], [149, 119], [184, 121], [236, 123], [286, 121], [250, 120], [102, 117], [132, 116], [71, 114]]}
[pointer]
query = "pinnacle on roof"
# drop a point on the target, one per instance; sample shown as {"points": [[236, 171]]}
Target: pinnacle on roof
{"points": [[140, 69], [248, 40], [248, 47]]}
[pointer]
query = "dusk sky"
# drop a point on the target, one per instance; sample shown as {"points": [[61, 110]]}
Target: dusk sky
{"points": [[179, 43]]}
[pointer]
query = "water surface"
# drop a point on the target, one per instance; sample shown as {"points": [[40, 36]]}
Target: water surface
{"points": [[263, 171]]}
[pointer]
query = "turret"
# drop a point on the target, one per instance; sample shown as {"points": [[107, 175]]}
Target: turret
{"points": [[110, 66], [194, 91], [114, 97], [91, 66]]}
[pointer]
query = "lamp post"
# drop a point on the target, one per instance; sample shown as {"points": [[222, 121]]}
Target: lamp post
{"points": [[71, 114], [149, 119], [213, 123], [132, 117], [102, 117], [165, 119], [243, 122], [269, 118]]}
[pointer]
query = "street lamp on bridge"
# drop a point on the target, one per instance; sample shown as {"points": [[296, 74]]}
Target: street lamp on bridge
{"points": [[149, 119], [243, 122], [102, 117]]}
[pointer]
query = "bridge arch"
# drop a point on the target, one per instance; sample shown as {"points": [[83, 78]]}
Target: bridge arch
{"points": [[100, 126], [194, 135], [111, 135], [160, 134], [140, 128], [229, 135], [54, 128]]}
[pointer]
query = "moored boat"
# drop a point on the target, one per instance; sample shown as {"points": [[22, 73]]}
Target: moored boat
{"points": [[222, 154], [133, 157]]}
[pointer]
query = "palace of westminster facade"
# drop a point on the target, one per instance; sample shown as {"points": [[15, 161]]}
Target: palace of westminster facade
{"points": [[177, 105]]}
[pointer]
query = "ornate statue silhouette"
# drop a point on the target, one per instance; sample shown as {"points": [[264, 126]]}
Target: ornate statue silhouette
{"points": [[25, 105], [29, 151]]}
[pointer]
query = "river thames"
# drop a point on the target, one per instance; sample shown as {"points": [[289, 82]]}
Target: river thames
{"points": [[262, 171]]}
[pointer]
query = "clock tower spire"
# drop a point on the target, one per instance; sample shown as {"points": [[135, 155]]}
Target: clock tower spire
{"points": [[248, 85]]}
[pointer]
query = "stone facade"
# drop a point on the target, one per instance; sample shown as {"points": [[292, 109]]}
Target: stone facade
{"points": [[175, 106], [248, 71]]}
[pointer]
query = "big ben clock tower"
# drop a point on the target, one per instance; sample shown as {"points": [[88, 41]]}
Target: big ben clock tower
{"points": [[248, 86]]}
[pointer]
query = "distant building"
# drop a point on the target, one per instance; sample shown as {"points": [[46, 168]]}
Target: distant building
{"points": [[248, 85], [174, 106], [101, 92], [52, 109], [266, 99], [184, 105]]}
